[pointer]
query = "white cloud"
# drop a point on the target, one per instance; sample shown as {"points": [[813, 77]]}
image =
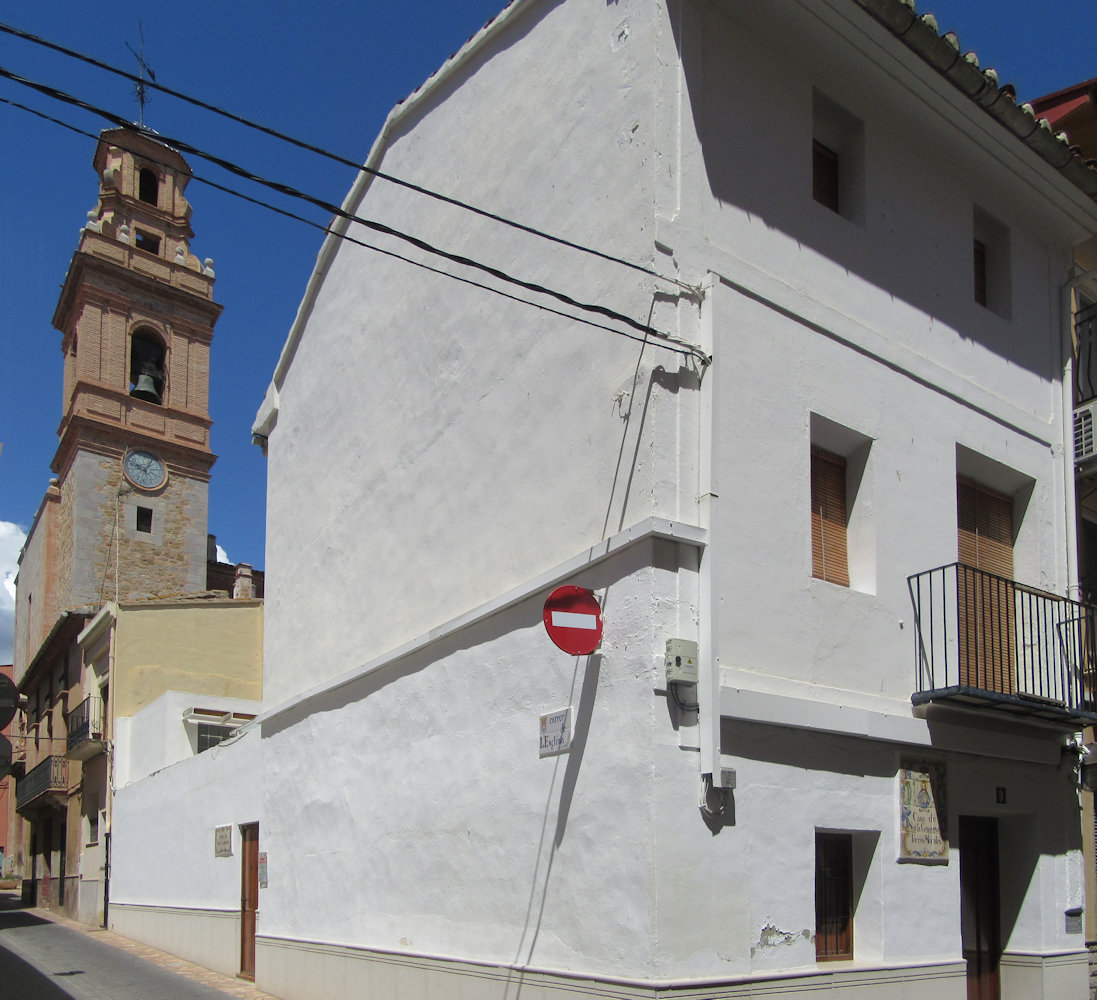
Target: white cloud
{"points": [[222, 555], [11, 541]]}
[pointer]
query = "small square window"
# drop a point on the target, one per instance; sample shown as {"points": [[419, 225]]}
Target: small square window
{"points": [[991, 264], [824, 175], [147, 242], [979, 255], [837, 158], [209, 735], [144, 520], [93, 820]]}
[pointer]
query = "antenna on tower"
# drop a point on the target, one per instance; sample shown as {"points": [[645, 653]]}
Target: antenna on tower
{"points": [[143, 69]]}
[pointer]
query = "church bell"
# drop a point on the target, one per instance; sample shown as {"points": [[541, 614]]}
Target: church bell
{"points": [[145, 385]]}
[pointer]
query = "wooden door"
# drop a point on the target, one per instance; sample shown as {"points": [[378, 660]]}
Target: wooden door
{"points": [[985, 588], [979, 906], [249, 897]]}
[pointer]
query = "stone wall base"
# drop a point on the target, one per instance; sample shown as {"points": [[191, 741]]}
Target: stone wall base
{"points": [[298, 970], [210, 938]]}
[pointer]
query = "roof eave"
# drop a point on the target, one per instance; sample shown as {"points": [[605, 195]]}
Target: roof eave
{"points": [[940, 52]]}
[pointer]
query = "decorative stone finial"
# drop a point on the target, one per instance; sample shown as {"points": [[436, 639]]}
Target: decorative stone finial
{"points": [[207, 268]]}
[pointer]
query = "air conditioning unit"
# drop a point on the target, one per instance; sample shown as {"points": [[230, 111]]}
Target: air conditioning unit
{"points": [[1085, 433]]}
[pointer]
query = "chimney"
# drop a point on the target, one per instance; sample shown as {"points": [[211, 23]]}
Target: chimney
{"points": [[243, 588], [211, 548]]}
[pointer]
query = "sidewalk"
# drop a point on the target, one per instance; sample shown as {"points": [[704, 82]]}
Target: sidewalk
{"points": [[225, 984]]}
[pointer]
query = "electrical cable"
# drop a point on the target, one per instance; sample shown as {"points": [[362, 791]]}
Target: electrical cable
{"points": [[339, 212], [336, 158], [683, 706], [368, 246]]}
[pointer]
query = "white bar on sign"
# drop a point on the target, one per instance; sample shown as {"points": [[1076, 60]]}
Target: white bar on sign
{"points": [[569, 619]]}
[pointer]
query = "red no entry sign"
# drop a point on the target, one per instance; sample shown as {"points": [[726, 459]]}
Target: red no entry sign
{"points": [[573, 620]]}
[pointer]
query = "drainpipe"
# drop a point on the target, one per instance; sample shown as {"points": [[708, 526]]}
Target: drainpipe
{"points": [[108, 805], [708, 666]]}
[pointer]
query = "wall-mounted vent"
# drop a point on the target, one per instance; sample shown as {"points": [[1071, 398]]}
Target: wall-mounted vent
{"points": [[1085, 433]]}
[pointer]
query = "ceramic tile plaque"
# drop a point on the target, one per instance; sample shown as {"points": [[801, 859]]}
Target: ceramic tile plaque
{"points": [[556, 733], [923, 812], [222, 841]]}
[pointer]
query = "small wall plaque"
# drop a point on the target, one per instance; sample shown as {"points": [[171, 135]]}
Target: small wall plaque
{"points": [[262, 869], [222, 842], [923, 829], [555, 732]]}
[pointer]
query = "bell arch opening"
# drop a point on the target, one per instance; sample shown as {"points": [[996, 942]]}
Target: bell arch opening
{"points": [[147, 368]]}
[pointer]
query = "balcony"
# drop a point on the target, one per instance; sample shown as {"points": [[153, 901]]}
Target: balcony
{"points": [[1085, 353], [44, 785], [85, 728], [988, 642]]}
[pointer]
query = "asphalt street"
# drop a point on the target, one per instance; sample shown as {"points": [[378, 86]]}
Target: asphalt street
{"points": [[42, 959]]}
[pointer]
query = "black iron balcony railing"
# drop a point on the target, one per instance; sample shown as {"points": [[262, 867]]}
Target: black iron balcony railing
{"points": [[987, 640], [1085, 353], [49, 777], [85, 728]]}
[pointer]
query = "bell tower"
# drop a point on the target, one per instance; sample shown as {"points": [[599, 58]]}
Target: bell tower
{"points": [[137, 314]]}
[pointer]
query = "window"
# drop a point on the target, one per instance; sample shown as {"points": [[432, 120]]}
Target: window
{"points": [[833, 896], [986, 592], [824, 176], [144, 520], [984, 520], [829, 556], [93, 819], [147, 242], [148, 186], [979, 254], [210, 735], [991, 264], [837, 158]]}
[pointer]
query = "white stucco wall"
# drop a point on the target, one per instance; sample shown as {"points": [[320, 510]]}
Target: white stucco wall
{"points": [[486, 443], [168, 888], [463, 439], [424, 820], [157, 737], [160, 857]]}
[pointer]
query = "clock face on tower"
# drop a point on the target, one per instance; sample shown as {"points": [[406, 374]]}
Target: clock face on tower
{"points": [[144, 469]]}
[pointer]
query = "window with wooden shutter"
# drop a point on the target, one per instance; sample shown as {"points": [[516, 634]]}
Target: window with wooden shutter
{"points": [[833, 896], [985, 587], [829, 555]]}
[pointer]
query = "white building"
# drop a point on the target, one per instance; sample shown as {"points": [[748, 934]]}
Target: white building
{"points": [[875, 248]]}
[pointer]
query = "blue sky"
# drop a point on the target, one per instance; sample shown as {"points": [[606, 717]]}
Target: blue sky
{"points": [[327, 73]]}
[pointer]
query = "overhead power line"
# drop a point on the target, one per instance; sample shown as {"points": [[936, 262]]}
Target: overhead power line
{"points": [[336, 158], [662, 340], [380, 227]]}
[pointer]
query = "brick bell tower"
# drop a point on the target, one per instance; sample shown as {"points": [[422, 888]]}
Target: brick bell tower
{"points": [[137, 316]]}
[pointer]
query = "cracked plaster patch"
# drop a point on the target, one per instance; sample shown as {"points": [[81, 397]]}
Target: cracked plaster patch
{"points": [[774, 937]]}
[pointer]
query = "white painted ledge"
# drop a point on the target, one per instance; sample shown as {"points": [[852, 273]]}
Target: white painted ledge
{"points": [[651, 528], [1014, 741]]}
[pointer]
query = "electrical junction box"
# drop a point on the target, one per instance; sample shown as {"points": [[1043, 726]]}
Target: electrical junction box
{"points": [[681, 661]]}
